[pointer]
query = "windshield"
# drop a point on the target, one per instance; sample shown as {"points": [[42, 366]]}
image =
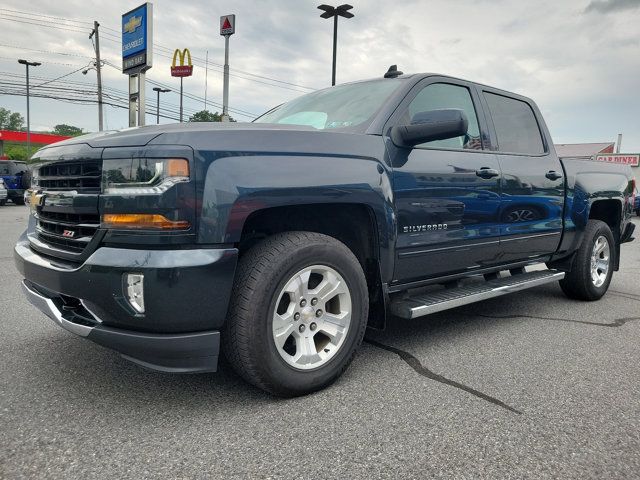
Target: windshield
{"points": [[343, 107]]}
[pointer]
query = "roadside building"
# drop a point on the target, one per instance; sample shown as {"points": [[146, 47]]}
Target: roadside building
{"points": [[584, 151], [604, 152]]}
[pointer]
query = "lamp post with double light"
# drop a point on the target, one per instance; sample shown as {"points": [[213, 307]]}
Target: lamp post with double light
{"points": [[335, 12]]}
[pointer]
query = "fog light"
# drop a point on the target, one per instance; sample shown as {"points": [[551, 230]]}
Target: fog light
{"points": [[135, 291]]}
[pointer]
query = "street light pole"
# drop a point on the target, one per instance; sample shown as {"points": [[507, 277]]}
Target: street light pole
{"points": [[159, 90], [28, 64], [335, 12]]}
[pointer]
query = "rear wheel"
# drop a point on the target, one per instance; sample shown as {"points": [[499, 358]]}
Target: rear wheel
{"points": [[18, 200], [297, 314], [592, 267]]}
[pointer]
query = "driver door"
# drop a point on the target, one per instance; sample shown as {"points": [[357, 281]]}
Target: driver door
{"points": [[447, 192]]}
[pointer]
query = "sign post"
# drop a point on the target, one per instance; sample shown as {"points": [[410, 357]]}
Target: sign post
{"points": [[137, 57], [181, 70], [227, 28]]}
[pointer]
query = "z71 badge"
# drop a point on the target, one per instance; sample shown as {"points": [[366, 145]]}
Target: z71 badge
{"points": [[424, 228]]}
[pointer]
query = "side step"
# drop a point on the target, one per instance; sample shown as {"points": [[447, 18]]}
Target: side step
{"points": [[436, 301]]}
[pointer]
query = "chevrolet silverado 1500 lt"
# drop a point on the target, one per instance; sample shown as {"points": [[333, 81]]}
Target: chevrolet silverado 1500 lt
{"points": [[278, 242]]}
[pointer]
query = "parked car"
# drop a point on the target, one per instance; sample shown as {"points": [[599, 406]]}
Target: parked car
{"points": [[3, 193], [16, 178], [279, 242]]}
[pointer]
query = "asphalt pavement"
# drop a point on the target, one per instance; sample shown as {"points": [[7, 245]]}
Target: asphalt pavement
{"points": [[530, 385]]}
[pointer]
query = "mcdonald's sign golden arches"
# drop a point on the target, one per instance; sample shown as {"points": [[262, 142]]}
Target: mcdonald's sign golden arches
{"points": [[181, 70]]}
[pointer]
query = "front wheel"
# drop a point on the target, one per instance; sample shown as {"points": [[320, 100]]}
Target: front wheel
{"points": [[298, 313], [592, 267]]}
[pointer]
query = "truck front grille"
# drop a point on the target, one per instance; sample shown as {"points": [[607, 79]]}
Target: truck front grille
{"points": [[67, 231], [67, 216], [82, 177]]}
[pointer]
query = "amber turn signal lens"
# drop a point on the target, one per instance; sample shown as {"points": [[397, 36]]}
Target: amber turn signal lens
{"points": [[177, 167], [139, 220]]}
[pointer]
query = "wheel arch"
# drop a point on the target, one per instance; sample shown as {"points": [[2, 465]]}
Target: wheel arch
{"points": [[355, 225], [609, 211]]}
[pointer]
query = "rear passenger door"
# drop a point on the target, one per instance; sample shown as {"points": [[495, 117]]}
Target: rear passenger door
{"points": [[532, 183]]}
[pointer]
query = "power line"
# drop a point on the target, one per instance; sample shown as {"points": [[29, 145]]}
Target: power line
{"points": [[45, 51], [77, 91], [117, 39], [46, 16], [4, 15]]}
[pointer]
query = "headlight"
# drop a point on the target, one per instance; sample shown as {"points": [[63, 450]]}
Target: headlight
{"points": [[138, 176]]}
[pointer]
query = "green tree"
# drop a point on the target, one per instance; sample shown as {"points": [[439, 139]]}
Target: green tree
{"points": [[10, 120], [67, 130], [207, 116], [16, 151]]}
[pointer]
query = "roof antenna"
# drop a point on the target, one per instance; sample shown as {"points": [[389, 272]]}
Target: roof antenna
{"points": [[393, 72]]}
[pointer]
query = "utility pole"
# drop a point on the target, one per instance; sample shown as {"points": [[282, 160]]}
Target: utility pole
{"points": [[227, 28], [335, 12], [206, 76], [99, 70], [28, 64], [160, 90]]}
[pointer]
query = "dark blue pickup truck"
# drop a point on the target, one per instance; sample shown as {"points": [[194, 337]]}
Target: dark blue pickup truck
{"points": [[279, 242], [16, 179]]}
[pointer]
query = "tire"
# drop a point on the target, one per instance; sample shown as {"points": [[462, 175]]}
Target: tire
{"points": [[258, 299], [18, 200], [3, 203], [579, 283]]}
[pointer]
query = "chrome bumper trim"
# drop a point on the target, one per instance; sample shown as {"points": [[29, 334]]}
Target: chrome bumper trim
{"points": [[46, 306]]}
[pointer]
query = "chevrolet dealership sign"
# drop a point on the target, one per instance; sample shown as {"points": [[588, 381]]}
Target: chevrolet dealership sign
{"points": [[632, 159], [137, 39]]}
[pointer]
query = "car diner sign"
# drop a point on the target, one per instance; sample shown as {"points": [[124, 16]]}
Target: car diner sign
{"points": [[632, 159]]}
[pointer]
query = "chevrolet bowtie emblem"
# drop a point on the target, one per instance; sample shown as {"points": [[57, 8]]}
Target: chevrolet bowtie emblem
{"points": [[133, 23]]}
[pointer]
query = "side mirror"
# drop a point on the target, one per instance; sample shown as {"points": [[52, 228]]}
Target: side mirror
{"points": [[429, 126]]}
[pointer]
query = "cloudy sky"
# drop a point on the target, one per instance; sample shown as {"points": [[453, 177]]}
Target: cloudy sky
{"points": [[578, 59]]}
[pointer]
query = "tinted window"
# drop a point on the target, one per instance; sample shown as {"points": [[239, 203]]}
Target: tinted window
{"points": [[516, 125], [443, 95], [17, 168], [12, 168]]}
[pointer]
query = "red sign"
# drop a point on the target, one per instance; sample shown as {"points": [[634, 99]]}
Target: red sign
{"points": [[182, 71], [228, 25], [632, 159]]}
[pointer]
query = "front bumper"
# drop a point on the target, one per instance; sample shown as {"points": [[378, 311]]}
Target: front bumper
{"points": [[186, 298]]}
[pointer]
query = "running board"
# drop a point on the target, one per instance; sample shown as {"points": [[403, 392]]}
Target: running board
{"points": [[432, 302]]}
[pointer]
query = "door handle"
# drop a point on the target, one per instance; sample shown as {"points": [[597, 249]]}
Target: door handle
{"points": [[486, 172], [553, 175]]}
